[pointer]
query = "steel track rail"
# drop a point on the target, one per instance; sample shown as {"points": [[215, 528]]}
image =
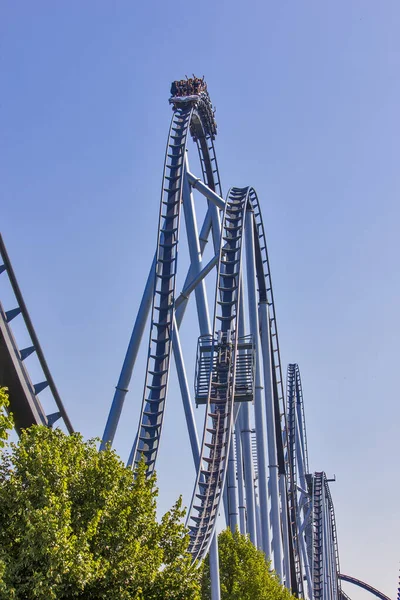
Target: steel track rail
{"points": [[300, 402], [266, 293], [190, 116], [187, 116], [211, 475], [218, 423], [31, 391], [364, 586], [208, 161], [337, 586], [291, 398], [318, 536]]}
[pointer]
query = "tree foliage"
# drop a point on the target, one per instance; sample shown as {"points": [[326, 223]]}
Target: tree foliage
{"points": [[76, 524], [244, 572], [6, 420]]}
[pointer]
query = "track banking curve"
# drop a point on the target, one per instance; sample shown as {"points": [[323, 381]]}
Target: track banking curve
{"points": [[364, 586], [242, 205]]}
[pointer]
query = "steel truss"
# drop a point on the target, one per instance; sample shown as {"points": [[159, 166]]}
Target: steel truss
{"points": [[252, 460], [238, 375]]}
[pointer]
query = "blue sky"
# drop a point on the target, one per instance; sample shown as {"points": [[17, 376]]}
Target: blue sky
{"points": [[307, 96]]}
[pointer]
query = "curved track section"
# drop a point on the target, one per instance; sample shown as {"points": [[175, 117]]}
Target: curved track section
{"points": [[222, 374], [222, 358], [190, 114], [364, 586], [266, 294]]}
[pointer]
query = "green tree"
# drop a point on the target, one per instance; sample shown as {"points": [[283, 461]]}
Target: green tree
{"points": [[244, 572], [76, 524], [6, 420]]}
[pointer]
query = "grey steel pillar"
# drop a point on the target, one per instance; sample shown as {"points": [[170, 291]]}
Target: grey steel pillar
{"points": [[185, 393], [214, 569], [259, 408], [129, 361], [245, 435], [271, 439], [285, 533], [195, 254], [233, 512], [326, 561], [258, 520], [240, 479], [205, 328]]}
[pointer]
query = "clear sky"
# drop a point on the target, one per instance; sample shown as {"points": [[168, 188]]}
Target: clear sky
{"points": [[307, 96]]}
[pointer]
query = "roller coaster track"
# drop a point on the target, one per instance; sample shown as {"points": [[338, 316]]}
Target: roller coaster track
{"points": [[24, 395], [364, 586], [293, 505], [333, 544], [299, 499], [222, 377], [318, 536], [242, 204], [325, 558], [229, 371], [291, 383], [321, 550], [193, 116]]}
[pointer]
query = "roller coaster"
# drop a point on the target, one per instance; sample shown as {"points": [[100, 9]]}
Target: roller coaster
{"points": [[252, 461]]}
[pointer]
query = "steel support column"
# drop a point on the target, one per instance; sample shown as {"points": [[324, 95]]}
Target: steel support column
{"points": [[195, 254], [259, 408], [129, 361], [326, 587], [199, 185], [271, 438], [185, 393], [240, 479], [214, 569], [203, 239], [205, 328], [303, 485], [305, 558], [285, 533], [245, 436], [233, 512], [185, 293]]}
